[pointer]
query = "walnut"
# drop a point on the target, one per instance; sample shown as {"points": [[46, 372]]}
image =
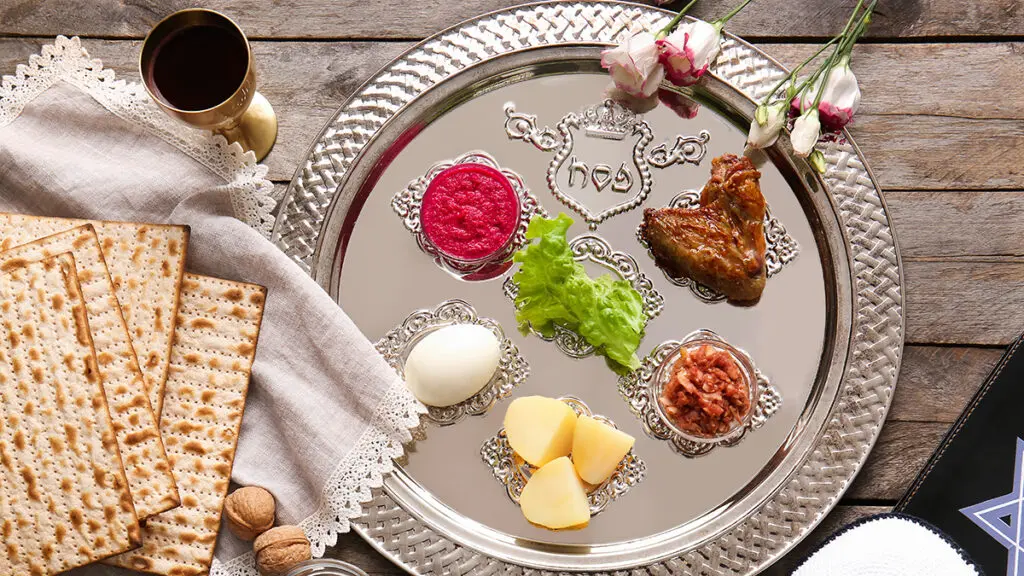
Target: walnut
{"points": [[279, 549], [249, 511]]}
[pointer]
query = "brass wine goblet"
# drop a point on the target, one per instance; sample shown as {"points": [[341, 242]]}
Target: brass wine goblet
{"points": [[198, 66]]}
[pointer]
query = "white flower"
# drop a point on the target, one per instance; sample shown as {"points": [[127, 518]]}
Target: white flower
{"points": [[805, 133], [688, 52], [840, 99], [763, 135], [634, 65]]}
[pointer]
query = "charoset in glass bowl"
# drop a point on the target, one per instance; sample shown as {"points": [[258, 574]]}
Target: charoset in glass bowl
{"points": [[717, 396]]}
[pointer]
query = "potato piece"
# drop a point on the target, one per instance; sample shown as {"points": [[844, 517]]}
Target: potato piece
{"points": [[554, 497], [540, 429], [597, 449]]}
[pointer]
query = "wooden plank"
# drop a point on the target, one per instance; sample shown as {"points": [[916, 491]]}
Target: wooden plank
{"points": [[964, 302], [356, 19], [902, 450], [913, 149], [936, 152], [899, 79], [985, 77], [977, 225], [937, 382]]}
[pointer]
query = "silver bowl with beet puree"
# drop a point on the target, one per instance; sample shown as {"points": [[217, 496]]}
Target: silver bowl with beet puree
{"points": [[470, 213]]}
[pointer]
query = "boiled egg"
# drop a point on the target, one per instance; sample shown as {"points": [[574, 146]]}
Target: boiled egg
{"points": [[452, 364]]}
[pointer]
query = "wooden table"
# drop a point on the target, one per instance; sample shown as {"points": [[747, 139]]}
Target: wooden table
{"points": [[942, 124]]}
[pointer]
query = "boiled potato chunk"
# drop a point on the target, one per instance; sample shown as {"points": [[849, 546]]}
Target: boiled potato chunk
{"points": [[540, 429], [597, 449], [554, 497]]}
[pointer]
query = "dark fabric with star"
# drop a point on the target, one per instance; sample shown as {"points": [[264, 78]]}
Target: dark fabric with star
{"points": [[973, 487]]}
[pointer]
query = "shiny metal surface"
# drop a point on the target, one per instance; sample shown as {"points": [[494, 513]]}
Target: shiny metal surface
{"points": [[781, 247], [593, 248], [798, 304], [828, 331]]}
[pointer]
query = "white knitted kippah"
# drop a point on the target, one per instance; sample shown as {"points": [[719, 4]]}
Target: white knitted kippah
{"points": [[887, 545]]}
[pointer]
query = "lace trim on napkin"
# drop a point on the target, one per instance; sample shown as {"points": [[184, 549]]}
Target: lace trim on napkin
{"points": [[65, 60], [355, 476]]}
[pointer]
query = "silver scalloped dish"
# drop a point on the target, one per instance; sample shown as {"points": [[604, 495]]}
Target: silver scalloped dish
{"points": [[511, 470], [408, 204], [665, 373]]}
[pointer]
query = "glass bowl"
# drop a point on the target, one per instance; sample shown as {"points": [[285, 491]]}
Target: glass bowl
{"points": [[325, 567], [664, 373]]}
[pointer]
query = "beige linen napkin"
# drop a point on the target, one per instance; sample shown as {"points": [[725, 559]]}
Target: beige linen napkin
{"points": [[325, 414]]}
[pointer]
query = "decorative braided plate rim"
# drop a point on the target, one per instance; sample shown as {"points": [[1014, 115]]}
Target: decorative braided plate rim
{"points": [[866, 389]]}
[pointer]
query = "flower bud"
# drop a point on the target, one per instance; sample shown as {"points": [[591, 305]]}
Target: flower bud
{"points": [[764, 133], [805, 133], [839, 100], [817, 160]]}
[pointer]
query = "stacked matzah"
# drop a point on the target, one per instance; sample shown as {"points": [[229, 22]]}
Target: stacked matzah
{"points": [[146, 262], [64, 500], [149, 474], [126, 337], [214, 346]]}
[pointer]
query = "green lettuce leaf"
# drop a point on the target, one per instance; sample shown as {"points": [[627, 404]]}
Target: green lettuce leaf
{"points": [[554, 290]]}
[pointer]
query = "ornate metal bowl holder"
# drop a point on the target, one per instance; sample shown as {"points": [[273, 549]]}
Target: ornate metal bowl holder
{"points": [[512, 471], [512, 367], [634, 388]]}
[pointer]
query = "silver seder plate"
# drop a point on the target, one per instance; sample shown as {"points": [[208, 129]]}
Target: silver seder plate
{"points": [[522, 89]]}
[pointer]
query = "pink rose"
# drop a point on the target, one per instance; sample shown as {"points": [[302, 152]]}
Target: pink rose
{"points": [[689, 51], [634, 65]]}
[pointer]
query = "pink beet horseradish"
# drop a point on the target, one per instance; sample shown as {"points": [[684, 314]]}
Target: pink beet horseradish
{"points": [[470, 212]]}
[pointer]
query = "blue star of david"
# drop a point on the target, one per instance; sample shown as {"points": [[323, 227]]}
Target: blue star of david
{"points": [[988, 515]]}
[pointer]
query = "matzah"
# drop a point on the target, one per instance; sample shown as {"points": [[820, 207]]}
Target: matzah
{"points": [[211, 359], [146, 262], [138, 436], [64, 499]]}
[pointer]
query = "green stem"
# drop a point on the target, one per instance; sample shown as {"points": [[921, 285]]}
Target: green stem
{"points": [[859, 30], [675, 21], [720, 23], [807, 81], [826, 69], [853, 16], [796, 71]]}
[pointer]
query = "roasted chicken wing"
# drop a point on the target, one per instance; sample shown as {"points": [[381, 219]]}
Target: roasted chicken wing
{"points": [[720, 244]]}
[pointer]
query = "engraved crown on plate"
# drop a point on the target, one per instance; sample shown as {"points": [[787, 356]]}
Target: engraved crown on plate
{"points": [[608, 120]]}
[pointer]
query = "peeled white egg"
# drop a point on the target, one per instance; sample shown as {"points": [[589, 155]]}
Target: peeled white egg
{"points": [[452, 364]]}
